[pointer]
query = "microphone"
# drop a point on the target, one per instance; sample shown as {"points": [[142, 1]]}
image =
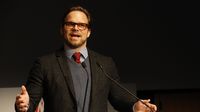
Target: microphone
{"points": [[84, 66], [118, 84]]}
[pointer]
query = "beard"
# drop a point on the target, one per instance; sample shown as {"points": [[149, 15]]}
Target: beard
{"points": [[75, 45]]}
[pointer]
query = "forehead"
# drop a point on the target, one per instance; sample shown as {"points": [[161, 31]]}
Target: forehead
{"points": [[76, 16]]}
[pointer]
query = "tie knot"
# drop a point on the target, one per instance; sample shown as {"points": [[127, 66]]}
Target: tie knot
{"points": [[76, 57]]}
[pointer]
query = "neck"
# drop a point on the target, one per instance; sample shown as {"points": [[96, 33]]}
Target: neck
{"points": [[78, 49]]}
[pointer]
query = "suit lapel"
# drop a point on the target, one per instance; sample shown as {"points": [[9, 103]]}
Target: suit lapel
{"points": [[62, 60], [95, 76]]}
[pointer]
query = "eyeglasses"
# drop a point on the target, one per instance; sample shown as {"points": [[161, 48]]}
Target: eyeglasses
{"points": [[80, 26]]}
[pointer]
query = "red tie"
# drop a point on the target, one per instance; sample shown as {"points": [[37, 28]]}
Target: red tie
{"points": [[76, 57]]}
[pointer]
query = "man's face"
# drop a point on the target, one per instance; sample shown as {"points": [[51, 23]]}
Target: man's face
{"points": [[75, 29]]}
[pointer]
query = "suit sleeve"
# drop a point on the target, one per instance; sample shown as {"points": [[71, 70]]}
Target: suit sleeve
{"points": [[119, 98], [34, 85]]}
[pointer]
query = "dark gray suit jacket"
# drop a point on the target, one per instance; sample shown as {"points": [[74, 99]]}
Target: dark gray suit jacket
{"points": [[51, 79]]}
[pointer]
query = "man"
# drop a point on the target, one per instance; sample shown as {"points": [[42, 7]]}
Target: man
{"points": [[76, 83]]}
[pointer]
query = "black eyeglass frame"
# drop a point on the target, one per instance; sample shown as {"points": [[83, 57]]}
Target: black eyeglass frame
{"points": [[80, 26]]}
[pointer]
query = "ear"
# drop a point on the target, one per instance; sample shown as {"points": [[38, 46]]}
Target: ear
{"points": [[89, 32]]}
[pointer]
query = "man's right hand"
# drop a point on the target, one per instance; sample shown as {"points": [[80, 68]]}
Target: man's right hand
{"points": [[22, 100]]}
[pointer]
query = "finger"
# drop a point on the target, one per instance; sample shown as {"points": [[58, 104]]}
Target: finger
{"points": [[23, 105], [154, 107], [151, 107], [20, 100], [146, 101], [23, 90], [18, 96], [148, 106], [23, 109]]}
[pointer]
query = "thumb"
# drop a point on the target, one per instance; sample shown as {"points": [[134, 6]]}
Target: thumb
{"points": [[23, 90], [148, 100]]}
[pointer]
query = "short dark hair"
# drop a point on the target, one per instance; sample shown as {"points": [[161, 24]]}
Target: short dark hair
{"points": [[77, 8]]}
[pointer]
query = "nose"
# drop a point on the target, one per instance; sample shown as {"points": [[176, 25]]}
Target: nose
{"points": [[76, 27]]}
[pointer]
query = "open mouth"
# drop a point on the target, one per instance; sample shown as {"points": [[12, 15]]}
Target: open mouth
{"points": [[75, 35]]}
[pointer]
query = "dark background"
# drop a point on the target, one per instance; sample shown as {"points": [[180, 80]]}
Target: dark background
{"points": [[154, 43]]}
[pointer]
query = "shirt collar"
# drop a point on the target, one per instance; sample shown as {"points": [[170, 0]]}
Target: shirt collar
{"points": [[69, 52]]}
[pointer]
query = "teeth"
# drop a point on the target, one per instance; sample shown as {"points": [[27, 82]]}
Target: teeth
{"points": [[75, 36]]}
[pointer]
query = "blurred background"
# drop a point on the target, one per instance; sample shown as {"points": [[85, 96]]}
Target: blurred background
{"points": [[160, 38]]}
